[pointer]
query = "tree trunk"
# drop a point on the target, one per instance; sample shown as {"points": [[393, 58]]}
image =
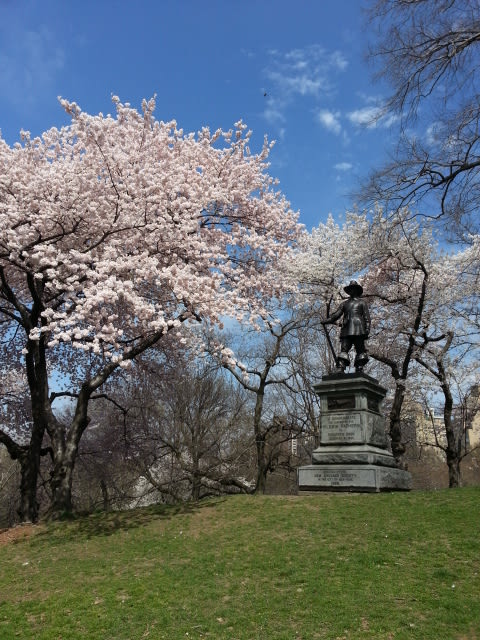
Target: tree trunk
{"points": [[29, 458], [398, 447], [454, 444], [61, 485], [453, 449], [196, 486], [262, 466], [454, 476], [29, 465], [65, 444], [196, 478]]}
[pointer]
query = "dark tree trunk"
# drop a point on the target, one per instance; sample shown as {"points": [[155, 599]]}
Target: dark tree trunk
{"points": [[61, 486], [29, 458], [262, 466], [36, 368], [396, 436], [454, 449], [61, 480], [29, 469], [65, 444], [454, 476], [196, 476], [196, 486], [262, 463]]}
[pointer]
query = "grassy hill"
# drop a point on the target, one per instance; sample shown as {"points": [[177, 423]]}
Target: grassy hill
{"points": [[336, 566]]}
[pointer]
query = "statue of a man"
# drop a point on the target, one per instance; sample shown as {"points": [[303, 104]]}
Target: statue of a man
{"points": [[355, 327]]}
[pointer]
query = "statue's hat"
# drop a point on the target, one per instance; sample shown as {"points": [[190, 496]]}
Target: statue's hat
{"points": [[353, 287]]}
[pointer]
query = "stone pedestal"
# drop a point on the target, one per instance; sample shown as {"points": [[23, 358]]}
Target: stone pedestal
{"points": [[353, 454]]}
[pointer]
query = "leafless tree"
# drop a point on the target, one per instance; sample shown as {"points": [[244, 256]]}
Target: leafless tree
{"points": [[428, 52], [272, 373], [185, 432], [105, 477]]}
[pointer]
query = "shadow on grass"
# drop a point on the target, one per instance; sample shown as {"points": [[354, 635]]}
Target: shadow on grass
{"points": [[83, 527]]}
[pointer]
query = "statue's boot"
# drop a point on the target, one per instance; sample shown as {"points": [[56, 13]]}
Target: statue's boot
{"points": [[343, 361], [361, 360]]}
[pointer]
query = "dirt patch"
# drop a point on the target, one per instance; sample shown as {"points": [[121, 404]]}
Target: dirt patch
{"points": [[20, 532]]}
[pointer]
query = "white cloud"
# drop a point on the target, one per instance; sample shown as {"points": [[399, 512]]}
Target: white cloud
{"points": [[343, 166], [330, 120], [304, 71], [371, 117], [338, 60], [300, 73], [296, 84], [364, 117]]}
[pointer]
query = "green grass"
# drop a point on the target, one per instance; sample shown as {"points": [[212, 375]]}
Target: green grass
{"points": [[336, 566]]}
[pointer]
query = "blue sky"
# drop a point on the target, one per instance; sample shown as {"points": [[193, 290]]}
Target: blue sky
{"points": [[291, 69]]}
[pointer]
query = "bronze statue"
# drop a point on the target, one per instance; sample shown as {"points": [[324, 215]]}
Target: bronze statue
{"points": [[355, 327]]}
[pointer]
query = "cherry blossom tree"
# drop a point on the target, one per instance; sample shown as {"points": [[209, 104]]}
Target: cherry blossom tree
{"points": [[115, 231], [451, 361], [326, 258], [398, 281]]}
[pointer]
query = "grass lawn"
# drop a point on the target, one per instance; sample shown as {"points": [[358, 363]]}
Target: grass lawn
{"points": [[336, 566]]}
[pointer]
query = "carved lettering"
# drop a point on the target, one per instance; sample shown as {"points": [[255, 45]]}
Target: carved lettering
{"points": [[343, 420], [342, 427], [335, 477], [343, 477]]}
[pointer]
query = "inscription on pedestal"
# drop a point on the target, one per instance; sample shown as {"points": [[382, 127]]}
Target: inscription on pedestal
{"points": [[338, 478], [341, 427], [335, 478]]}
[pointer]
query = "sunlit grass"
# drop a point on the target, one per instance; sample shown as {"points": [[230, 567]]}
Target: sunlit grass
{"points": [[403, 565]]}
